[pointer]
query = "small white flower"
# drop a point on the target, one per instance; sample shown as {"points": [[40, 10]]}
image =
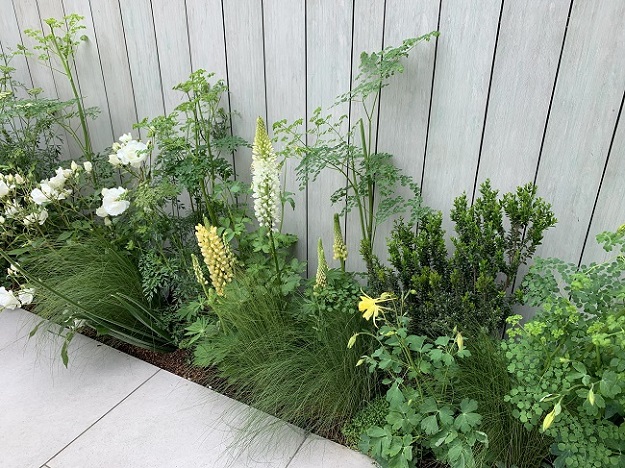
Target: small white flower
{"points": [[88, 166], [8, 300], [39, 197], [107, 221], [26, 296], [2, 220], [133, 153], [36, 218], [114, 160], [47, 193], [58, 181], [4, 189], [112, 203], [12, 270], [19, 180], [12, 208], [125, 138], [74, 166]]}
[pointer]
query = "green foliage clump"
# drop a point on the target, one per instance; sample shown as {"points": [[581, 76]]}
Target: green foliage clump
{"points": [[470, 287], [374, 414], [290, 359], [568, 362], [425, 415]]}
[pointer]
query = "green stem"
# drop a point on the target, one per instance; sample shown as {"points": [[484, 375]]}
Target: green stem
{"points": [[274, 254]]}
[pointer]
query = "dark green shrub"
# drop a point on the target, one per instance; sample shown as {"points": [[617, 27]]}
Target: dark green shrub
{"points": [[470, 286]]}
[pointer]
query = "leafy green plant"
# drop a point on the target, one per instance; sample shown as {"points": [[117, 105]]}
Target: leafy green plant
{"points": [[493, 238], [568, 362], [425, 414], [484, 377], [371, 179], [373, 414], [96, 285], [58, 51], [194, 142]]}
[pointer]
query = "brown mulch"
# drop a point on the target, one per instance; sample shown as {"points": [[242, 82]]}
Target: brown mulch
{"points": [[178, 362]]}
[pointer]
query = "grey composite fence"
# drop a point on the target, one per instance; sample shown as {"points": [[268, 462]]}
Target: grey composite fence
{"points": [[513, 90]]}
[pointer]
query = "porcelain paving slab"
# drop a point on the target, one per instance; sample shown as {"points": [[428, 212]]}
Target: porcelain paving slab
{"points": [[317, 452], [170, 422], [43, 405]]}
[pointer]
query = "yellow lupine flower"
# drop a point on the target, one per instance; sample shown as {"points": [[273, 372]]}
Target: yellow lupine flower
{"points": [[217, 256]]}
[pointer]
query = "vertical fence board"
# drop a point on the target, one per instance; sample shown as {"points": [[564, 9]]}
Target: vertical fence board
{"points": [[585, 106], [172, 40], [609, 214], [27, 17], [463, 66], [246, 74], [405, 102], [143, 57], [109, 31], [89, 72], [329, 45], [529, 46], [10, 37], [368, 37], [285, 64], [206, 36]]}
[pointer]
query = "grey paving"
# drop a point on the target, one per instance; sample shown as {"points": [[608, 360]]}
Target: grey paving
{"points": [[171, 422], [110, 410], [317, 452], [43, 405]]}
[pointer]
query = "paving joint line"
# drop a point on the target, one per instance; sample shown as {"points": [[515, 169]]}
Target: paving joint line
{"points": [[301, 444], [99, 419]]}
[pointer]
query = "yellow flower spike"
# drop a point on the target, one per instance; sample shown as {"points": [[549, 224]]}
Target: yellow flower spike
{"points": [[371, 307], [217, 256]]}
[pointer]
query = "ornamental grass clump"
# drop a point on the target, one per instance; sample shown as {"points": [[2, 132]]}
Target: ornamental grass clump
{"points": [[288, 357], [217, 256], [93, 283]]}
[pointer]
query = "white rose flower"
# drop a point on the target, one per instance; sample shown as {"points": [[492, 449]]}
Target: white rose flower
{"points": [[19, 180], [114, 160], [26, 296], [39, 197], [133, 153], [112, 204], [2, 220], [38, 217], [88, 166], [8, 300], [4, 189], [125, 138], [58, 181], [12, 208]]}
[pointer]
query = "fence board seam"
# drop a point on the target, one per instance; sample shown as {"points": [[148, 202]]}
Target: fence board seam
{"points": [[605, 167], [427, 130], [488, 92]]}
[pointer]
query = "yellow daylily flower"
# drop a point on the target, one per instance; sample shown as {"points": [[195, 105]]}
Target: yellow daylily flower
{"points": [[370, 307]]}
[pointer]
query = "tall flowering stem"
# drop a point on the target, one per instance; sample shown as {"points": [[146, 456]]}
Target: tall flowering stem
{"points": [[266, 186], [321, 279], [339, 249], [217, 257]]}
